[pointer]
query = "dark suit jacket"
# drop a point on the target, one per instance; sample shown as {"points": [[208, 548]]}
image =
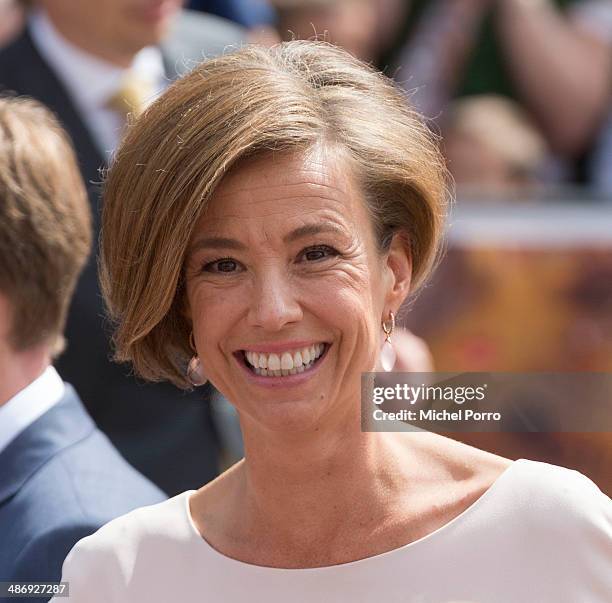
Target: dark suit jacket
{"points": [[166, 434], [249, 13], [60, 480]]}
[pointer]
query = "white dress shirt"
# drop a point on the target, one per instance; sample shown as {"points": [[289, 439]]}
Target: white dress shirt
{"points": [[91, 81], [29, 404]]}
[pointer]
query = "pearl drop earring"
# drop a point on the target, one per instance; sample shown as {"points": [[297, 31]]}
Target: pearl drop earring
{"points": [[387, 353], [195, 370]]}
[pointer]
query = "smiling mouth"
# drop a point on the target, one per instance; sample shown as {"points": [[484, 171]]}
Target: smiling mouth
{"points": [[287, 363]]}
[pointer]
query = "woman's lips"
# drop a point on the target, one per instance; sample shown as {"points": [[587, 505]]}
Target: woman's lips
{"points": [[285, 363], [289, 378]]}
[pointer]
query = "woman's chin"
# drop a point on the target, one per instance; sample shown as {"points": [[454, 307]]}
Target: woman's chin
{"points": [[290, 415]]}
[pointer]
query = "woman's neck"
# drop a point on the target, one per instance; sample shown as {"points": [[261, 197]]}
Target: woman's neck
{"points": [[310, 500], [303, 489]]}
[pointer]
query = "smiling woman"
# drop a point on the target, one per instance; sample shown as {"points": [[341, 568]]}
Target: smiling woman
{"points": [[307, 101], [263, 222], [284, 269]]}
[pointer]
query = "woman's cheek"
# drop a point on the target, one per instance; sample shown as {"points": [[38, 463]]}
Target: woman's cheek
{"points": [[211, 297], [213, 313]]}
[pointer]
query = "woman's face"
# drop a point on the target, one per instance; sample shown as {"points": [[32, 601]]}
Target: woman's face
{"points": [[286, 289]]}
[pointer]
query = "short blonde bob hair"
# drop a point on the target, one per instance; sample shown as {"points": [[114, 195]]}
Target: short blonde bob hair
{"points": [[245, 103]]}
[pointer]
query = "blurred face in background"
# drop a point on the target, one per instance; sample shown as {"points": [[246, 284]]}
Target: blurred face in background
{"points": [[11, 20], [351, 24], [492, 147], [113, 30]]}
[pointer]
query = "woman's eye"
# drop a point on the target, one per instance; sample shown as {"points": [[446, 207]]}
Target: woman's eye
{"points": [[223, 265], [318, 252]]}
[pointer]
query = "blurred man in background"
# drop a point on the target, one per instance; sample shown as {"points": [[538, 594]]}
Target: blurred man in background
{"points": [[351, 24], [93, 63], [258, 16], [60, 477], [249, 13]]}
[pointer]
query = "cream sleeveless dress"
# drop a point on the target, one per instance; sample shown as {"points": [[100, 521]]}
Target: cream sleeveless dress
{"points": [[541, 533]]}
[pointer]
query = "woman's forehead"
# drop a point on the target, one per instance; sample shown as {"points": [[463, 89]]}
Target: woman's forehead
{"points": [[279, 200], [280, 186]]}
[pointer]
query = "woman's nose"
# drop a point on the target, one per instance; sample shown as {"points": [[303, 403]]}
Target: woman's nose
{"points": [[274, 303]]}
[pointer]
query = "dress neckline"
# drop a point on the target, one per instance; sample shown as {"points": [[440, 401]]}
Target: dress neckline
{"points": [[482, 500]]}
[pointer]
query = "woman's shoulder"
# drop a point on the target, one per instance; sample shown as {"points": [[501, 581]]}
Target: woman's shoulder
{"points": [[544, 498], [567, 489], [108, 557], [554, 519], [532, 496], [163, 520], [527, 487]]}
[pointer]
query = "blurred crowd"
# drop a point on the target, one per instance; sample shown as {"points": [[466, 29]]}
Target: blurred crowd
{"points": [[518, 89], [519, 93]]}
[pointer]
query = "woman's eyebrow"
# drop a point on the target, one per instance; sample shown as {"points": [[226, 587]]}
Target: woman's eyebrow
{"points": [[311, 229], [216, 243], [233, 244]]}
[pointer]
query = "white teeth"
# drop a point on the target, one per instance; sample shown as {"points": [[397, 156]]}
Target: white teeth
{"points": [[284, 364], [286, 361], [274, 362]]}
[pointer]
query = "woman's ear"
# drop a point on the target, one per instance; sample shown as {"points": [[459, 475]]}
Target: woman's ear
{"points": [[399, 271]]}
